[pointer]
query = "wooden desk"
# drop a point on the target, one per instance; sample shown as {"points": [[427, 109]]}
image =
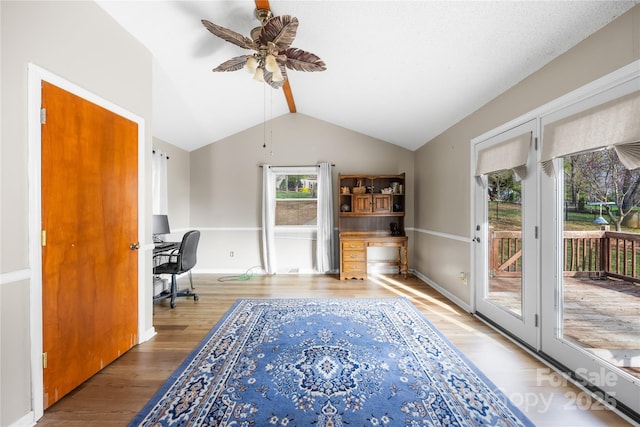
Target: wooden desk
{"points": [[353, 252]]}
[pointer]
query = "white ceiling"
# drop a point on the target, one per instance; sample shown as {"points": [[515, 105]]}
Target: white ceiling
{"points": [[399, 71]]}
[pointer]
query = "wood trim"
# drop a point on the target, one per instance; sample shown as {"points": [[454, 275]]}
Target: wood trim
{"points": [[263, 4], [288, 95]]}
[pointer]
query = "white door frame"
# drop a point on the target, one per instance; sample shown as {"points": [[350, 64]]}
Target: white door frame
{"points": [[36, 75]]}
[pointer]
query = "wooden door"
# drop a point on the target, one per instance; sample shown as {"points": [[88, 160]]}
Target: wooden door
{"points": [[89, 221], [381, 203], [361, 203]]}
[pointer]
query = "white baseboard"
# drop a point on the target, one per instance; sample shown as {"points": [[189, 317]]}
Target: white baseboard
{"points": [[26, 420], [147, 335], [463, 305]]}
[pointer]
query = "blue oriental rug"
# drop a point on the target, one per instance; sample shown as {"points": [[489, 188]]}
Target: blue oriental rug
{"points": [[327, 363]]}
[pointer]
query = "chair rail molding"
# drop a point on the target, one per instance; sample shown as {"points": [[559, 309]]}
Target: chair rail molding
{"points": [[15, 276]]}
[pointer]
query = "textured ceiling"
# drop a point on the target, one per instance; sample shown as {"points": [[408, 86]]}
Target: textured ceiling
{"points": [[399, 71]]}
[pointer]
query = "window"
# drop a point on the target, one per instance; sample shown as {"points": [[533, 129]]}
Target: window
{"points": [[296, 198], [297, 205]]}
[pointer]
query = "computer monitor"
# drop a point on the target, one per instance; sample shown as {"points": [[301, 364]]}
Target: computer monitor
{"points": [[160, 226]]}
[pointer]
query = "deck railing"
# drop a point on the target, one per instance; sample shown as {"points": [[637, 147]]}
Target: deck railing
{"points": [[586, 253]]}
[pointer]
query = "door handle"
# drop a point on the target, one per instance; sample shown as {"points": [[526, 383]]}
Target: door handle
{"points": [[134, 246], [476, 239]]}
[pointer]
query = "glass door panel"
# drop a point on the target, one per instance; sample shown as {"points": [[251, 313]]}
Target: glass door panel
{"points": [[504, 243], [599, 290]]}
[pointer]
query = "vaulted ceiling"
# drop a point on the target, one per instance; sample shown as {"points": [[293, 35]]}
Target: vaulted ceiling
{"points": [[399, 71]]}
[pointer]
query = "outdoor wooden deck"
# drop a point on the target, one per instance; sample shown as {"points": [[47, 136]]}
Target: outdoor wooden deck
{"points": [[602, 315], [601, 295]]}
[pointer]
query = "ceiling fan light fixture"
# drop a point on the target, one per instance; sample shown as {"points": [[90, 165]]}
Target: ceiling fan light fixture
{"points": [[277, 76], [270, 64], [259, 75], [251, 65]]}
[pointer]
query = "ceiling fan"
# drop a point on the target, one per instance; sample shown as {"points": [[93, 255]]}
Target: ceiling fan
{"points": [[272, 43]]}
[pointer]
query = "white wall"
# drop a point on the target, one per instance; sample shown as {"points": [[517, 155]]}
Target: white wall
{"points": [[80, 43]]}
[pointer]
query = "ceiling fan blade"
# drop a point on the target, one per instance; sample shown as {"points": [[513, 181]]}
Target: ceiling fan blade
{"points": [[268, 78], [301, 60], [233, 64], [229, 35], [275, 85], [280, 30]]}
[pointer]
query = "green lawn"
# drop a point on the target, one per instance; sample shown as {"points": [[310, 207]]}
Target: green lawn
{"points": [[293, 194], [506, 216]]}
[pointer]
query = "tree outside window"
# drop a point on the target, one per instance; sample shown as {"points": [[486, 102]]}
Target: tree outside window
{"points": [[599, 178], [296, 200]]}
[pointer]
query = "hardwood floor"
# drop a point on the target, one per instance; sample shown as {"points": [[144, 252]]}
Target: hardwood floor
{"points": [[116, 394]]}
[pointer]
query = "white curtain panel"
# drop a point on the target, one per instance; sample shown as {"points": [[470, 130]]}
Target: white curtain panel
{"points": [[324, 240], [268, 219], [160, 196]]}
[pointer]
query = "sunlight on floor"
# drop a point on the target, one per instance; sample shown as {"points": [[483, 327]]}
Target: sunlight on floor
{"points": [[424, 299]]}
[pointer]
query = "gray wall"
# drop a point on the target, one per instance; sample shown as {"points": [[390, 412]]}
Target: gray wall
{"points": [[80, 43], [226, 185], [443, 173], [178, 186]]}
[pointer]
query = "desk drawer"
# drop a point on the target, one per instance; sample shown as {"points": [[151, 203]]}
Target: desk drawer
{"points": [[354, 267], [353, 245], [353, 256]]}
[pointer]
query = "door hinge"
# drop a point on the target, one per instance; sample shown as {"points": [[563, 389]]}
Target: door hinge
{"points": [[44, 360], [43, 237], [43, 116], [535, 320], [535, 143], [536, 231]]}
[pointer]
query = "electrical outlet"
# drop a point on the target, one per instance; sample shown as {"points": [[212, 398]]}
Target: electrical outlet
{"points": [[463, 277], [231, 254]]}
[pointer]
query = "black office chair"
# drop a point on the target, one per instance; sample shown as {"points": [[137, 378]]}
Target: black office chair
{"points": [[180, 262]]}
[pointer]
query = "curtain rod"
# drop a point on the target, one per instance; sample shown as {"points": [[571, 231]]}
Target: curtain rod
{"points": [[153, 151], [294, 166]]}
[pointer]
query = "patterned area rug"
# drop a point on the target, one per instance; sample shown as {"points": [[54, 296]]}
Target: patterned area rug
{"points": [[327, 363]]}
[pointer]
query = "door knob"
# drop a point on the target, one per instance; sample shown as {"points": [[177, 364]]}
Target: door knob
{"points": [[134, 246]]}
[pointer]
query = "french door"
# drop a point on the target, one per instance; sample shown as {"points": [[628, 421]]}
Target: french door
{"points": [[506, 228], [545, 271], [590, 307]]}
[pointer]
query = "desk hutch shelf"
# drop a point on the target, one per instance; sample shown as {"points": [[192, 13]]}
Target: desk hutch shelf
{"points": [[371, 214]]}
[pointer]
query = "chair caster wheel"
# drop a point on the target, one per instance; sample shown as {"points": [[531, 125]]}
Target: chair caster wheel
{"points": [[196, 298]]}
